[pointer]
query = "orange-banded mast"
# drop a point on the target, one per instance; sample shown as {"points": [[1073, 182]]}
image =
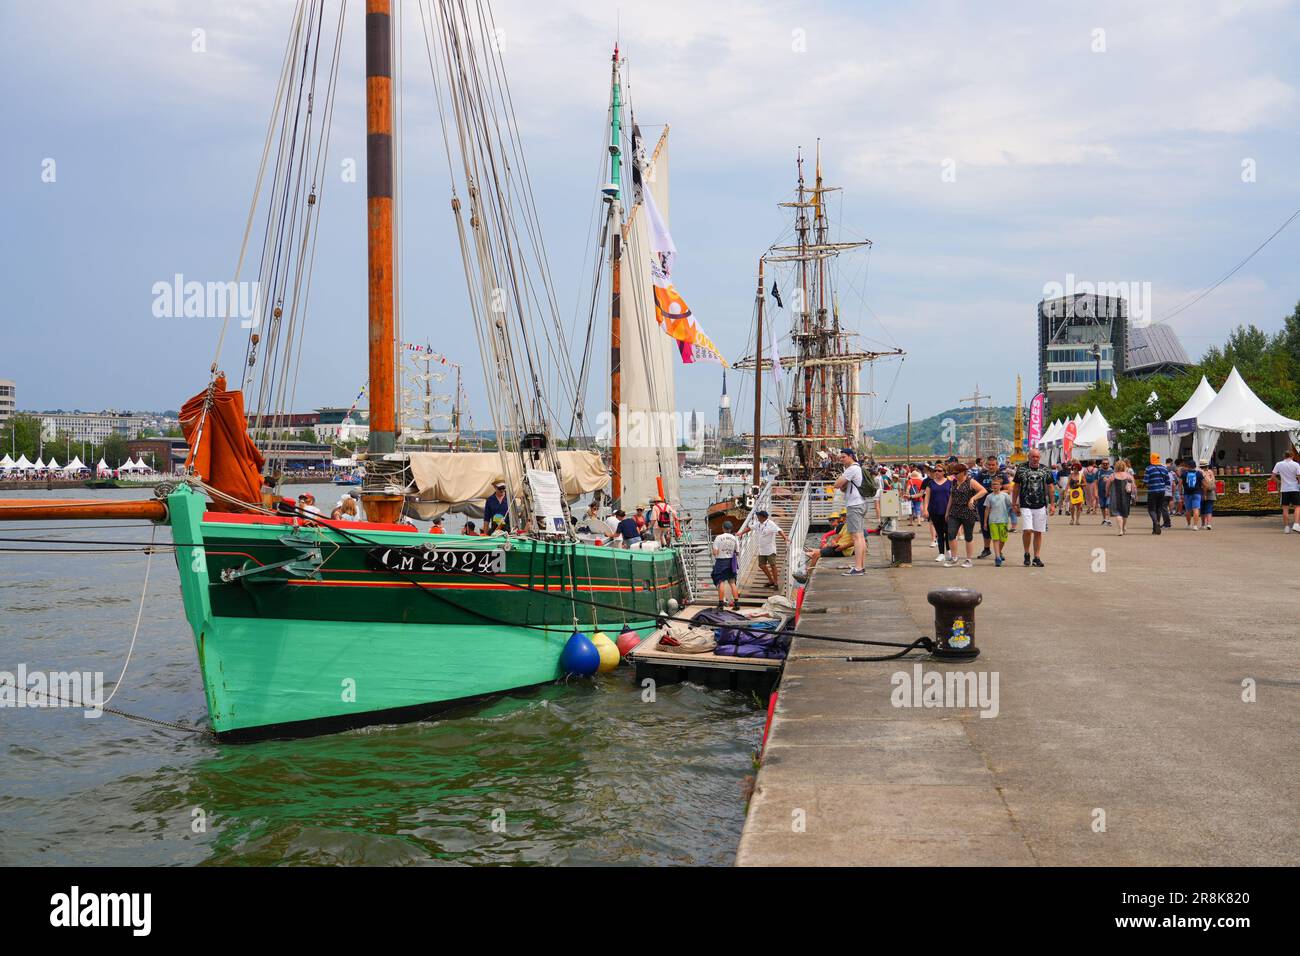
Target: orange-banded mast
{"points": [[379, 211], [34, 509]]}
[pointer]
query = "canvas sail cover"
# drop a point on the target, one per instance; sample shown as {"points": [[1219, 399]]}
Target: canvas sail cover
{"points": [[461, 481], [222, 455], [649, 435]]}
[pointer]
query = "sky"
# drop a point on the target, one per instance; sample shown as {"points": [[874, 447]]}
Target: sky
{"points": [[987, 150]]}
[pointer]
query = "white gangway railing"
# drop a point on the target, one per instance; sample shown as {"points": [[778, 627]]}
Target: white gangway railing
{"points": [[798, 533], [749, 543]]}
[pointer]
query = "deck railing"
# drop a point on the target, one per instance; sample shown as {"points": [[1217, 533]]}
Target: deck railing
{"points": [[749, 543], [798, 533]]}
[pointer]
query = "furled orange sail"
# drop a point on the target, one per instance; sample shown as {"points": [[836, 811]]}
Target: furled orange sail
{"points": [[221, 453]]}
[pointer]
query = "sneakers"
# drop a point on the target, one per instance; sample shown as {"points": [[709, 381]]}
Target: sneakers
{"points": [[986, 553], [949, 564], [997, 562], [1296, 526], [967, 563], [934, 544], [944, 557], [852, 573], [1026, 559], [1038, 563]]}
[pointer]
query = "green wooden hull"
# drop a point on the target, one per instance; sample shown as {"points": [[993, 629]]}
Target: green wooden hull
{"points": [[344, 640]]}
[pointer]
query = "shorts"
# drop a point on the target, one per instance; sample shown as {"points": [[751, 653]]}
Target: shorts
{"points": [[997, 531], [1207, 507], [1193, 502], [966, 525], [916, 509], [767, 560], [856, 518], [1291, 497], [830, 551], [1033, 519], [1103, 499], [722, 570]]}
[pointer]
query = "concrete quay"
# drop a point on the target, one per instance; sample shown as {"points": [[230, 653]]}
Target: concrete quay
{"points": [[1121, 735]]}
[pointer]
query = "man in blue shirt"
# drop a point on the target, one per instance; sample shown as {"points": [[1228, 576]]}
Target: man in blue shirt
{"points": [[1157, 479], [497, 504], [626, 532]]}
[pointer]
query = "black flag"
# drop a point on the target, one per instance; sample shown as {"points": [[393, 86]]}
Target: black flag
{"points": [[776, 294], [637, 158]]}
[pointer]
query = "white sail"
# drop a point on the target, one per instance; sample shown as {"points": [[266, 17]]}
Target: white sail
{"points": [[649, 357]]}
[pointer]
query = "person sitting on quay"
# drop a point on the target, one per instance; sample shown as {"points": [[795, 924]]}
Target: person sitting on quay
{"points": [[834, 543]]}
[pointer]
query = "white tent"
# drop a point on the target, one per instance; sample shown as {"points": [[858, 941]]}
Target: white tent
{"points": [[1166, 437], [53, 465], [23, 464], [1238, 410], [6, 463], [1093, 439], [40, 465], [131, 466], [76, 465], [102, 468]]}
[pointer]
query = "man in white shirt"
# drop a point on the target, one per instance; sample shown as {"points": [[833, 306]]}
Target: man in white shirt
{"points": [[725, 548], [765, 532], [855, 507], [1288, 476]]}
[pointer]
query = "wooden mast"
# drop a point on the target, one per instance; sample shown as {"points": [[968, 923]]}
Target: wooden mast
{"points": [[758, 382], [379, 210], [616, 286]]}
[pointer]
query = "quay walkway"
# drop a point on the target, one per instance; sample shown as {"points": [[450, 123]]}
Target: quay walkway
{"points": [[1147, 713]]}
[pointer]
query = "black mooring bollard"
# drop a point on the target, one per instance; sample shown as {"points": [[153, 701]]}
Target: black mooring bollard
{"points": [[900, 543], [954, 623]]}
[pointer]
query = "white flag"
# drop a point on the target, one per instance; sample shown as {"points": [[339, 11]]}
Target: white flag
{"points": [[778, 373], [1114, 388]]}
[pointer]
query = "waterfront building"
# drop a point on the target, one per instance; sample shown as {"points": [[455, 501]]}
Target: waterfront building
{"points": [[92, 427], [8, 400]]}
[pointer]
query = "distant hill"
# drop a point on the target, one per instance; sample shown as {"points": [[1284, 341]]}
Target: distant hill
{"points": [[928, 434]]}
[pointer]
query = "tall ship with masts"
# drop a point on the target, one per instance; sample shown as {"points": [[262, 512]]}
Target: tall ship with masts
{"points": [[816, 382], [305, 625]]}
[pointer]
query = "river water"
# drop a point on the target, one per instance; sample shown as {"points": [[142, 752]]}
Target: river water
{"points": [[582, 772]]}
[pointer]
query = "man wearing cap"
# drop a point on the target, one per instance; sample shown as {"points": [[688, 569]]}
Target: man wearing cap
{"points": [[497, 504], [855, 506], [307, 503]]}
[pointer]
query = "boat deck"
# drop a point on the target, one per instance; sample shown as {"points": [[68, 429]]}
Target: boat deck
{"points": [[710, 670]]}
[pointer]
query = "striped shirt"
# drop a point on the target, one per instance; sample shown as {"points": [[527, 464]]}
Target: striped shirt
{"points": [[1157, 478]]}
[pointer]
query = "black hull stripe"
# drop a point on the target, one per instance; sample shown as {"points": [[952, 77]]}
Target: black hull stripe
{"points": [[318, 726]]}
